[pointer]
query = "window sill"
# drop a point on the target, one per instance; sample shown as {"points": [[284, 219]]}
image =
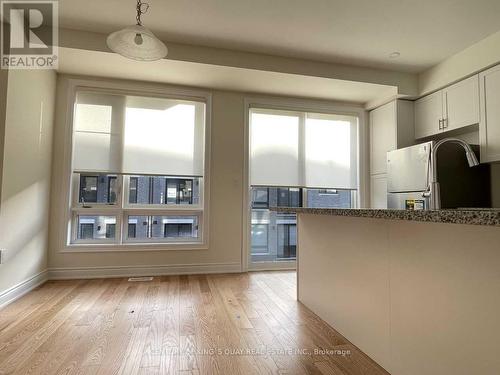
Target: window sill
{"points": [[132, 247]]}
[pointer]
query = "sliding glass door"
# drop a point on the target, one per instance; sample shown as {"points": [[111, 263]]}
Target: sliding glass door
{"points": [[273, 234], [291, 165]]}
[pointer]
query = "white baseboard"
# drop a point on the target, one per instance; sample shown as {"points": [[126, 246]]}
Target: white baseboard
{"points": [[126, 271], [19, 290]]}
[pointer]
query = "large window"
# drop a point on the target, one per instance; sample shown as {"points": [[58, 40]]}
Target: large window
{"points": [[297, 159], [138, 167]]}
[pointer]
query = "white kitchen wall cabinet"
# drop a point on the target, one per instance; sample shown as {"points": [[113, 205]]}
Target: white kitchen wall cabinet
{"points": [[489, 126], [378, 191], [451, 108], [429, 115], [391, 127], [461, 104], [382, 136]]}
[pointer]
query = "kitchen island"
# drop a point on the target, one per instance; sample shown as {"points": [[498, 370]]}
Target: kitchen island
{"points": [[419, 292]]}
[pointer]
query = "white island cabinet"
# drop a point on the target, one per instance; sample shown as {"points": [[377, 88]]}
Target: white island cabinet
{"points": [[419, 298], [489, 127]]}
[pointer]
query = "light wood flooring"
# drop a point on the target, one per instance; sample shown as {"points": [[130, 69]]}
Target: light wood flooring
{"points": [[206, 324]]}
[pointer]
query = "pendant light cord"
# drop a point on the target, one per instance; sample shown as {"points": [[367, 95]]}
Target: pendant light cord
{"points": [[141, 9]]}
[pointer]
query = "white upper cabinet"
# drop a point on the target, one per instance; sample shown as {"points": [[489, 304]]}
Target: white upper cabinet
{"points": [[428, 115], [391, 127], [461, 104], [489, 127], [382, 136], [454, 107]]}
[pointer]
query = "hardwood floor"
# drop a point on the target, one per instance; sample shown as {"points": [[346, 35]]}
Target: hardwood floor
{"points": [[204, 324]]}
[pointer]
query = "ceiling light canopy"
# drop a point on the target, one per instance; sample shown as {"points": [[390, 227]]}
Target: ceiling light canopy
{"points": [[137, 42]]}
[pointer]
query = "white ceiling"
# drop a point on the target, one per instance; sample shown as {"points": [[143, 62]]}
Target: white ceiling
{"points": [[358, 32], [110, 65]]}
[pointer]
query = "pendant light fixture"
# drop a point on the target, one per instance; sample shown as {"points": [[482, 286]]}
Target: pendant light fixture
{"points": [[137, 42]]}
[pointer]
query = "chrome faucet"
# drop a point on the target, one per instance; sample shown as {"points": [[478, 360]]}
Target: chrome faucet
{"points": [[433, 189]]}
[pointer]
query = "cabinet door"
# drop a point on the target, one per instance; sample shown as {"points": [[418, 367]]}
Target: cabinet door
{"points": [[382, 136], [461, 102], [489, 126], [378, 191], [428, 112]]}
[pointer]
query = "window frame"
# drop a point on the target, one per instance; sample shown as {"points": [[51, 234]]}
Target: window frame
{"points": [[70, 208]]}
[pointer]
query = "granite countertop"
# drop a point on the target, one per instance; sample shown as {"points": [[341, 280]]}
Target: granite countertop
{"points": [[462, 216]]}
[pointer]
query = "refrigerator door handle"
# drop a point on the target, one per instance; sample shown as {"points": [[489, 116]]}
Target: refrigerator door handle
{"points": [[427, 192]]}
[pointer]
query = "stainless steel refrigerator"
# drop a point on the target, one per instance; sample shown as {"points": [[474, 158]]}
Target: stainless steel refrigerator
{"points": [[408, 175]]}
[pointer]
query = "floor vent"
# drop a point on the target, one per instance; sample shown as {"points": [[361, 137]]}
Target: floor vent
{"points": [[146, 278]]}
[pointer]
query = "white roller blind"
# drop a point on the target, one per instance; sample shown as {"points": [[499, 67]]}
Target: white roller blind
{"points": [[97, 133], [330, 151], [138, 135], [274, 140], [162, 136], [303, 149]]}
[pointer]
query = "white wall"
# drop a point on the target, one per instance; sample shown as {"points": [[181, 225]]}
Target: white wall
{"points": [[4, 79], [473, 59], [24, 207]]}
